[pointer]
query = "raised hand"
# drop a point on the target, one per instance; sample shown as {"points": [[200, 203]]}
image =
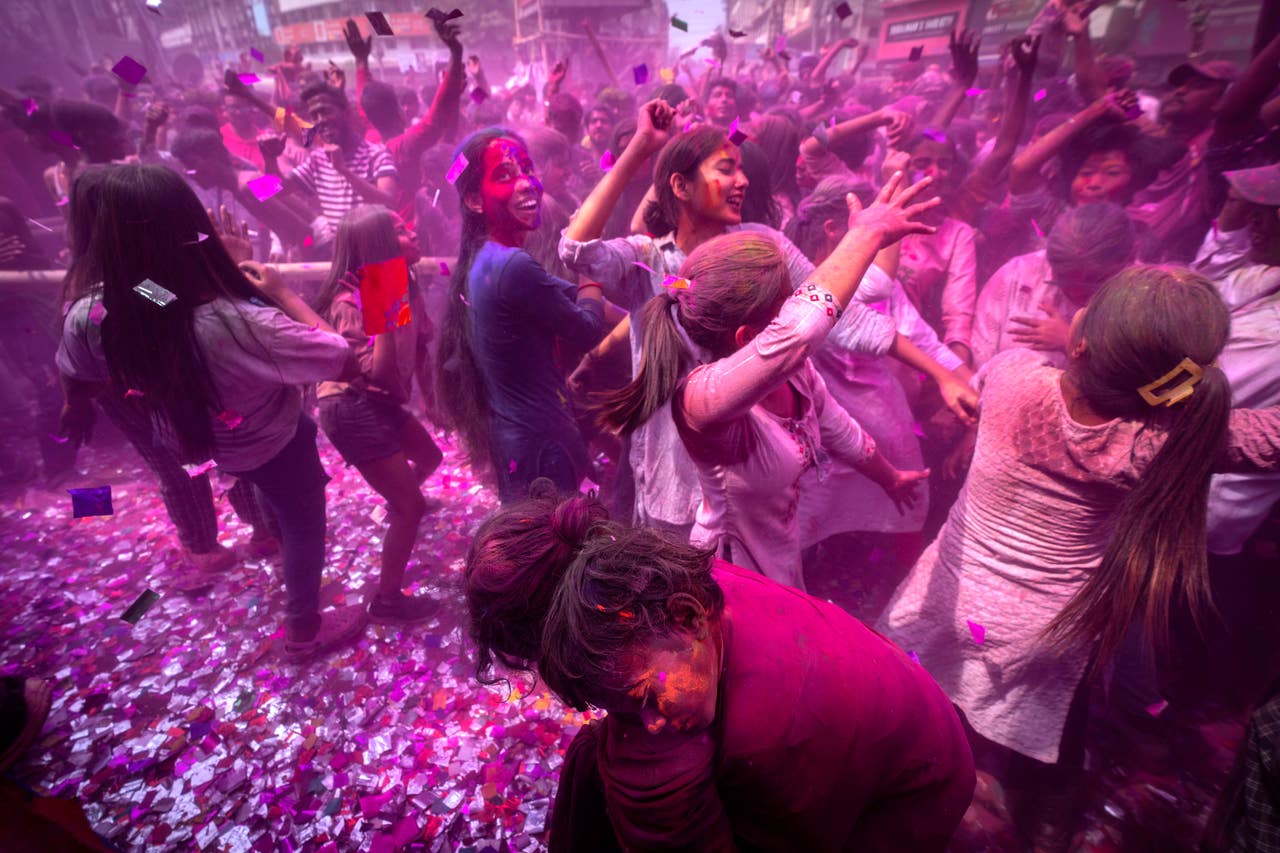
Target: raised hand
{"points": [[892, 214], [156, 115], [234, 237], [265, 278], [271, 146], [449, 33], [655, 124], [1025, 51], [964, 57], [359, 45], [558, 72], [1123, 104]]}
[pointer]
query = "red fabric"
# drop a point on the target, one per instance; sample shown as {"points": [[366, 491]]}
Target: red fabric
{"points": [[827, 737], [245, 149]]}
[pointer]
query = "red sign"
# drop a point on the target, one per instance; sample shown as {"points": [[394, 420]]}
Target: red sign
{"points": [[330, 29]]}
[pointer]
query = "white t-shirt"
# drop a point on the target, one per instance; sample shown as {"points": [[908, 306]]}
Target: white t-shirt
{"points": [[258, 359]]}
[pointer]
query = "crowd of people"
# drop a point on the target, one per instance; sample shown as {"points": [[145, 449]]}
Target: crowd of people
{"points": [[1017, 324]]}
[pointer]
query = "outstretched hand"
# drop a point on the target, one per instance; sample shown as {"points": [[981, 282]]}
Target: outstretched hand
{"points": [[360, 46], [964, 57], [892, 214], [1025, 51]]}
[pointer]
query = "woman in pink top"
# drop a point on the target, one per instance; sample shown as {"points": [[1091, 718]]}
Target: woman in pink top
{"points": [[742, 714], [1084, 509], [752, 411]]}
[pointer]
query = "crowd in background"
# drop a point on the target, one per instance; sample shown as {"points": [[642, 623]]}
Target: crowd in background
{"points": [[1017, 325]]}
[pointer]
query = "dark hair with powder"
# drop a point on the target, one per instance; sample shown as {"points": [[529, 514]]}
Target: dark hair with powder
{"points": [[515, 562], [682, 155], [1138, 327], [625, 588]]}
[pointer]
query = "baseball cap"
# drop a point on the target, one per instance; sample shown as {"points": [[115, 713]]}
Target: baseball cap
{"points": [[1260, 185], [1219, 70]]}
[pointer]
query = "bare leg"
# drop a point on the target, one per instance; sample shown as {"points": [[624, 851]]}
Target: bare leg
{"points": [[394, 479]]}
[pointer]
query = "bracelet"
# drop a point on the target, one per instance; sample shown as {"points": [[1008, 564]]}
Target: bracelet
{"points": [[587, 284]]}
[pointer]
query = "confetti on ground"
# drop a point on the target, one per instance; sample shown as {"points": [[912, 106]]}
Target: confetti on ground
{"points": [[139, 607], [95, 500], [188, 729], [979, 633]]}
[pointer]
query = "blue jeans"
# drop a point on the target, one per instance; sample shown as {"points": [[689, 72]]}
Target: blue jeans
{"points": [[522, 455], [292, 483]]}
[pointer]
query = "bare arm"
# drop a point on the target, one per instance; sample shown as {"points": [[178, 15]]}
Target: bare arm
{"points": [[1244, 101], [655, 126], [964, 71], [637, 225], [1089, 78], [1024, 173], [820, 70]]}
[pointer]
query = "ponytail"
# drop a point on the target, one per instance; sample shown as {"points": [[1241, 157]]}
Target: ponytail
{"points": [[664, 360], [1157, 552]]}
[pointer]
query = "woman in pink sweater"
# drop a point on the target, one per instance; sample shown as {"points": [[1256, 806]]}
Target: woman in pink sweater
{"points": [[1084, 510]]}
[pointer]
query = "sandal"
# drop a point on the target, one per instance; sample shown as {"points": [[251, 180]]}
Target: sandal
{"points": [[36, 698], [337, 626]]}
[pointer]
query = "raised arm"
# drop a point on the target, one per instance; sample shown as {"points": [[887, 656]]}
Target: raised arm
{"points": [[1243, 102], [812, 146], [964, 71], [1090, 80], [360, 47], [1024, 173], [441, 119], [654, 128], [819, 72]]}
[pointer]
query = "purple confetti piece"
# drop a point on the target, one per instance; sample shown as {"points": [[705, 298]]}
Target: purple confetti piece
{"points": [[444, 269], [249, 79], [91, 501], [30, 106], [587, 486], [479, 95], [641, 74], [973, 93], [264, 187], [914, 657], [459, 166], [200, 238], [606, 161], [1041, 95], [916, 53], [979, 633], [378, 21], [1157, 708], [231, 419], [97, 313], [917, 429], [675, 282], [129, 70], [843, 11], [736, 135], [511, 466], [58, 439], [679, 24], [257, 54]]}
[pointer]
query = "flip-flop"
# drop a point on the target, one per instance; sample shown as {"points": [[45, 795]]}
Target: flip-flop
{"points": [[337, 626], [36, 694]]}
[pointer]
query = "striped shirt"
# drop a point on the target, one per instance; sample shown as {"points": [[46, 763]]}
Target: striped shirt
{"points": [[336, 194]]}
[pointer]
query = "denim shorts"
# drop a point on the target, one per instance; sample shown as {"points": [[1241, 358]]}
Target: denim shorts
{"points": [[362, 427]]}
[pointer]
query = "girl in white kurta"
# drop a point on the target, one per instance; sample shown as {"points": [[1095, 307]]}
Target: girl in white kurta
{"points": [[1082, 483]]}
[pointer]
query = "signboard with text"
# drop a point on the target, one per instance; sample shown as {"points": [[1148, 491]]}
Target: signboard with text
{"points": [[915, 29]]}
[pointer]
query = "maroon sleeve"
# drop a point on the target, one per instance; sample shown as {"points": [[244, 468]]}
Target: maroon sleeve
{"points": [[660, 789]]}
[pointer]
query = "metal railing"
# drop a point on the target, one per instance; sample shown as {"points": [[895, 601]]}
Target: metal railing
{"points": [[290, 272]]}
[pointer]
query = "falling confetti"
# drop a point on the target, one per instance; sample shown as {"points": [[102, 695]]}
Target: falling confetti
{"points": [[459, 166], [264, 187], [378, 21], [679, 24], [257, 54], [249, 79], [640, 74]]}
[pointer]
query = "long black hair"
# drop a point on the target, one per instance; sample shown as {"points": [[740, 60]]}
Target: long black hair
{"points": [[459, 382], [148, 225], [366, 235]]}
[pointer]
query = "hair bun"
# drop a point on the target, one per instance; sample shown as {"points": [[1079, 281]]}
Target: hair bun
{"points": [[571, 520], [542, 489]]}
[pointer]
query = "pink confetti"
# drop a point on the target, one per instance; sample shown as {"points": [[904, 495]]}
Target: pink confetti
{"points": [[459, 166], [1039, 230], [914, 657], [257, 54], [230, 419], [973, 93], [30, 106], [606, 161], [200, 237], [1041, 95], [917, 429], [587, 486], [249, 79], [264, 187], [936, 135], [97, 313], [307, 241], [58, 439], [129, 70], [133, 392], [1157, 708], [511, 466], [979, 633], [194, 471]]}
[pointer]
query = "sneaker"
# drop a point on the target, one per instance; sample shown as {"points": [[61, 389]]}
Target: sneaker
{"points": [[337, 627], [402, 610], [219, 559]]}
